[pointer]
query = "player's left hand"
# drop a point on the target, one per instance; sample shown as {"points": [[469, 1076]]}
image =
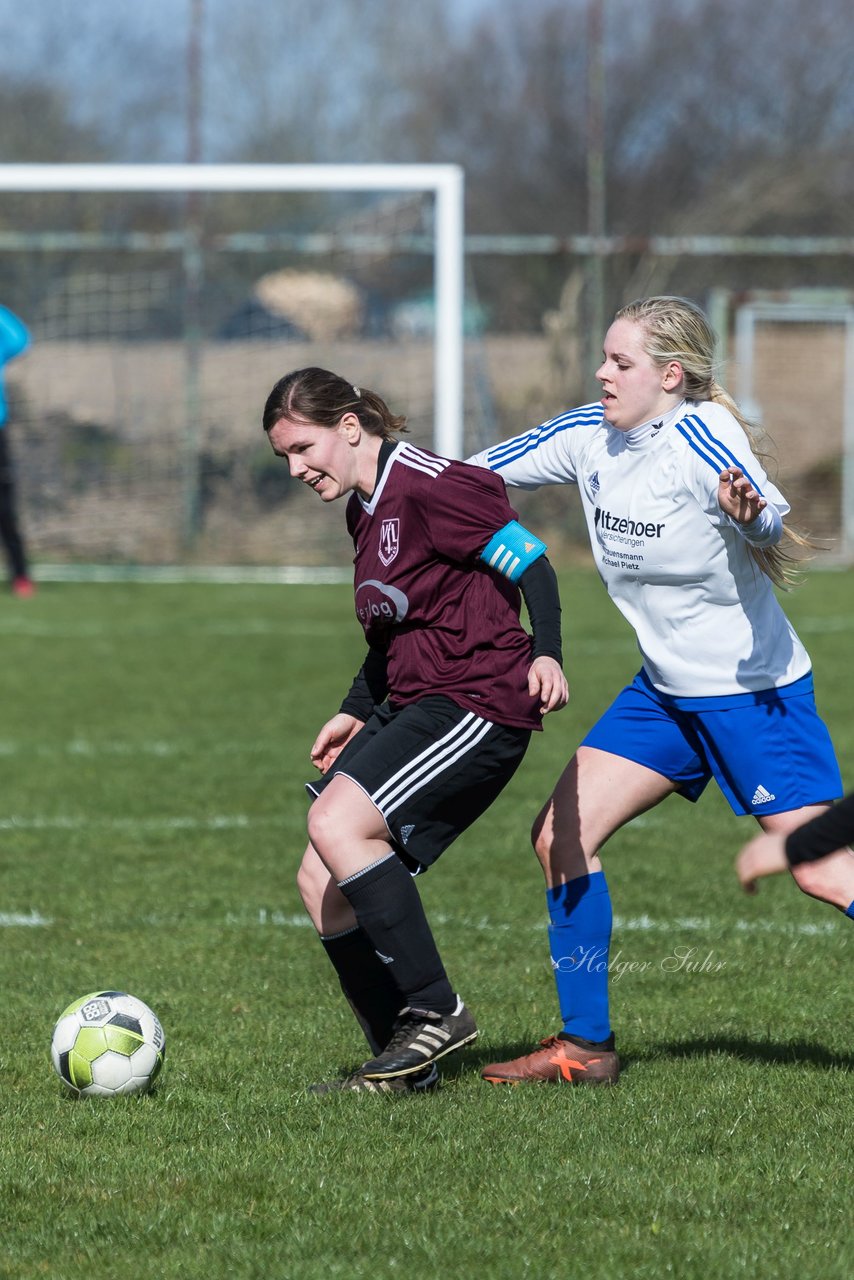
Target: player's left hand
{"points": [[737, 497], [547, 682]]}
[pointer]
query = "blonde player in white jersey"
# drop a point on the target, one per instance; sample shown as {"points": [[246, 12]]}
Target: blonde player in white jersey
{"points": [[687, 534]]}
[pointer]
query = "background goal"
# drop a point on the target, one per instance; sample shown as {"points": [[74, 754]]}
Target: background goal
{"points": [[791, 367], [164, 302]]}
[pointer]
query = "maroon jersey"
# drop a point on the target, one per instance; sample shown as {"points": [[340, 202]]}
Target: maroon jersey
{"points": [[447, 623]]}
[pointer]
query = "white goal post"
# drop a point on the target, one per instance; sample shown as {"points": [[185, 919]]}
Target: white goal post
{"points": [[825, 412], [445, 181]]}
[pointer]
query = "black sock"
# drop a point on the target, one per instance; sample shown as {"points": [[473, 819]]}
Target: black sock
{"points": [[388, 908], [372, 993], [606, 1045]]}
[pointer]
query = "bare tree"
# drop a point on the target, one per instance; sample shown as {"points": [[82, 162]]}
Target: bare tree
{"points": [[722, 116]]}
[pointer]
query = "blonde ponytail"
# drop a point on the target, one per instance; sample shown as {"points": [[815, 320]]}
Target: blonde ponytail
{"points": [[781, 563]]}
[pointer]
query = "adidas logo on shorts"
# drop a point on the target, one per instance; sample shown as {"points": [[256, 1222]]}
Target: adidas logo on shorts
{"points": [[761, 796]]}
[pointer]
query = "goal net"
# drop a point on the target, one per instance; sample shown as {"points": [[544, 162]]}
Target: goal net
{"points": [[793, 373], [163, 302]]}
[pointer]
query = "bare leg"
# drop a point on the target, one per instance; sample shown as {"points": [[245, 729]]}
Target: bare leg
{"points": [[596, 794], [348, 834], [830, 879], [368, 987], [329, 910], [351, 839]]}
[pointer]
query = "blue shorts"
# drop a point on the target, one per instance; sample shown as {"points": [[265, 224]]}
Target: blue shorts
{"points": [[769, 752]]}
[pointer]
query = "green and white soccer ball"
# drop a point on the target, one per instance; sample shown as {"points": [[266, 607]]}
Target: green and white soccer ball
{"points": [[107, 1043]]}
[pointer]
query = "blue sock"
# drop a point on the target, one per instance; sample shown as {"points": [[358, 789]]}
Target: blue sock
{"points": [[580, 940], [850, 911]]}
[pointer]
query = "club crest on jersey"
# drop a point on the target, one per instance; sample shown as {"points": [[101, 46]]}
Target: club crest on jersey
{"points": [[389, 540]]}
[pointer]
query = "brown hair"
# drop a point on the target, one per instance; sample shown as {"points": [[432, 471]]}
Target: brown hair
{"points": [[322, 398], [676, 329]]}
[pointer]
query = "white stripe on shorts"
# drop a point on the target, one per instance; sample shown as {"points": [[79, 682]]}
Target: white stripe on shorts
{"points": [[433, 760]]}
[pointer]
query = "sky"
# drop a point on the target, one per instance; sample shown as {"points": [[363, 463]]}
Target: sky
{"points": [[86, 47]]}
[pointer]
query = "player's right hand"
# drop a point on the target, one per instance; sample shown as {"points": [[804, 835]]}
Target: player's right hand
{"points": [[547, 682], [332, 739]]}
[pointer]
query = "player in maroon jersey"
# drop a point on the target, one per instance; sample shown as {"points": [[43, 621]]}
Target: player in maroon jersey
{"points": [[438, 718]]}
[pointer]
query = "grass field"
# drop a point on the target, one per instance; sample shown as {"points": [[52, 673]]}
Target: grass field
{"points": [[154, 744]]}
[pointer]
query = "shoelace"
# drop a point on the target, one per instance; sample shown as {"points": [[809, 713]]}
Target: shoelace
{"points": [[407, 1019]]}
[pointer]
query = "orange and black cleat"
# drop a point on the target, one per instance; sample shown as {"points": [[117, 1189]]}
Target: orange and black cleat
{"points": [[559, 1060]]}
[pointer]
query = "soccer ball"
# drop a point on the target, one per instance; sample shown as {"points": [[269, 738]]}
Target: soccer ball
{"points": [[107, 1043]]}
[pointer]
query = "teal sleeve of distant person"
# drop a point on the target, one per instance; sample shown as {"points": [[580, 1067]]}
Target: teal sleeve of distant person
{"points": [[14, 335], [14, 338]]}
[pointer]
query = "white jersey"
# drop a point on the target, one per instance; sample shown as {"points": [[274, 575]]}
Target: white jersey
{"points": [[707, 621]]}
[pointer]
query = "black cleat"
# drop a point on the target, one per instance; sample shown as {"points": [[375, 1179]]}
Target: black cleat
{"points": [[420, 1037], [424, 1081]]}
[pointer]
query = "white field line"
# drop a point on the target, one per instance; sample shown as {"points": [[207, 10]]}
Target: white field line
{"points": [[240, 629], [278, 919], [19, 920], [157, 747], [22, 624], [214, 822], [826, 626], [299, 628], [284, 575], [265, 917], [274, 575]]}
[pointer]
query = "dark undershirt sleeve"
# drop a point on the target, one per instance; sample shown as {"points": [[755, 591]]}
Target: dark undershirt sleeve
{"points": [[369, 687], [538, 585], [829, 831]]}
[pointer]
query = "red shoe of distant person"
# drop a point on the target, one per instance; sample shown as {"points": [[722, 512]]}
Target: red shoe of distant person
{"points": [[23, 587]]}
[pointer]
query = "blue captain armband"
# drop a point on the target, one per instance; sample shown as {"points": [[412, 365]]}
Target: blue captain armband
{"points": [[511, 550]]}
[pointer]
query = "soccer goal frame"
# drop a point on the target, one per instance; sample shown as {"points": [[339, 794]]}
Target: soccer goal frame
{"points": [[443, 181], [804, 307]]}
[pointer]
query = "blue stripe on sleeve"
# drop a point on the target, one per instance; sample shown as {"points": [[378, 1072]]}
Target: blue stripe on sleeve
{"points": [[511, 550], [512, 450], [711, 450]]}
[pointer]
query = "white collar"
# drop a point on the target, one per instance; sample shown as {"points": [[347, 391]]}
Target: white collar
{"points": [[636, 437]]}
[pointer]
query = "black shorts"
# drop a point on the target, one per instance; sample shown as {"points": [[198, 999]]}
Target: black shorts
{"points": [[431, 768]]}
